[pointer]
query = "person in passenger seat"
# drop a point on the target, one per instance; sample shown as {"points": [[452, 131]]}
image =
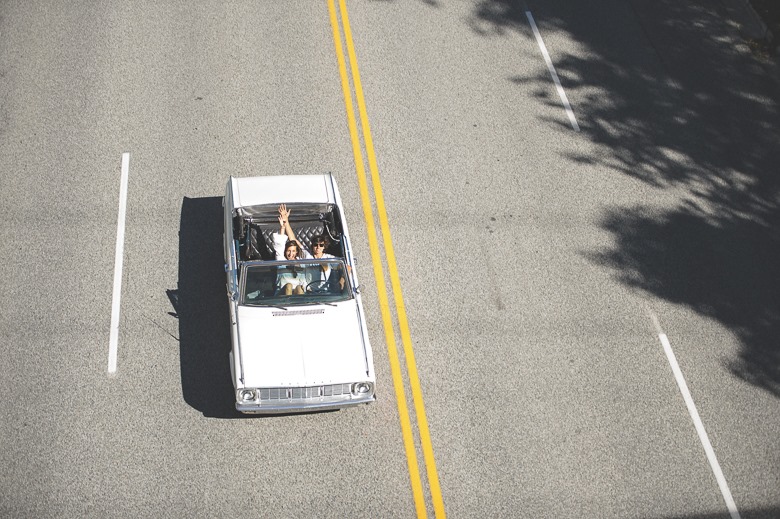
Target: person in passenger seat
{"points": [[319, 244], [294, 280]]}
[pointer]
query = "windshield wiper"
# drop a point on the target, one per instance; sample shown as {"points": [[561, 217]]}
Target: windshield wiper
{"points": [[267, 306]]}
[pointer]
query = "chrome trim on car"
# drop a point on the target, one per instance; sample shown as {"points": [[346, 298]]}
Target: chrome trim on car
{"points": [[297, 393], [302, 405], [288, 313]]}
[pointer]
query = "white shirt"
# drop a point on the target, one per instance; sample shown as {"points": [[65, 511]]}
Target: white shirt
{"points": [[280, 240]]}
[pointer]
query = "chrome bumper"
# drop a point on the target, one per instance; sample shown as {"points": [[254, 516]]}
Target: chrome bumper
{"points": [[301, 405]]}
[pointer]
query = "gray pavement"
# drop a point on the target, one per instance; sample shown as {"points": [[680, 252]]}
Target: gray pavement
{"points": [[530, 256]]}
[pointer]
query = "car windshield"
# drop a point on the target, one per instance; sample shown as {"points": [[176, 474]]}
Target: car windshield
{"points": [[298, 282]]}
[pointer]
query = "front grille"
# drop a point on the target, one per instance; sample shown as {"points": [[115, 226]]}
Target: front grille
{"points": [[288, 393]]}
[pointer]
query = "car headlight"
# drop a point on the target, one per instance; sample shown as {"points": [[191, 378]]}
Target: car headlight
{"points": [[361, 388], [247, 395]]}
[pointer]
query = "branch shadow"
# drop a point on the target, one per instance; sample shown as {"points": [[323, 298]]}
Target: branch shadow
{"points": [[724, 268], [670, 96], [769, 512]]}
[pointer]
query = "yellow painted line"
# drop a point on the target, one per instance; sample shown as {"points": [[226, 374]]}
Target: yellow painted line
{"points": [[384, 304], [395, 282]]}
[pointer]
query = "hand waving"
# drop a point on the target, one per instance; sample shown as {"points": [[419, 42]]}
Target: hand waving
{"points": [[284, 214]]}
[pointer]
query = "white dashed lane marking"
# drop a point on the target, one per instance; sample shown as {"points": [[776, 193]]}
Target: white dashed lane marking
{"points": [[113, 342], [554, 74], [705, 441]]}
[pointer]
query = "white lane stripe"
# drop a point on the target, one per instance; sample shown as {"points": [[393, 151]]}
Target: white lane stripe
{"points": [[705, 441], [113, 341], [554, 74]]}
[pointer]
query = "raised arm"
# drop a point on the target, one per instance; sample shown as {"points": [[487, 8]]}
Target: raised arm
{"points": [[284, 221]]}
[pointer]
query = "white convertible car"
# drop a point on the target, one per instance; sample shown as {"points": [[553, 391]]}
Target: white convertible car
{"points": [[305, 350]]}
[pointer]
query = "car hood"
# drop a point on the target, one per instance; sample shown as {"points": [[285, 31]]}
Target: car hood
{"points": [[301, 346]]}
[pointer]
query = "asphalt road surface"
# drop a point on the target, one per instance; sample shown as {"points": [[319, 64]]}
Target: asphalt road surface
{"points": [[543, 270]]}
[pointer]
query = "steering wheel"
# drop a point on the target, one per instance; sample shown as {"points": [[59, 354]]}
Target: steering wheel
{"points": [[317, 287]]}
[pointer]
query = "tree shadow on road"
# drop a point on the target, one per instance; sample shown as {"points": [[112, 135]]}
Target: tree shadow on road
{"points": [[672, 99], [725, 268], [770, 512]]}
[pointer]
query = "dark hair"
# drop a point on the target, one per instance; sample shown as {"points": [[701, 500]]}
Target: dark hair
{"points": [[320, 237], [291, 243]]}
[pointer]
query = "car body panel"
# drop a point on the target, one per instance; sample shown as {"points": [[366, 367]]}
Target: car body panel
{"points": [[312, 346], [272, 190]]}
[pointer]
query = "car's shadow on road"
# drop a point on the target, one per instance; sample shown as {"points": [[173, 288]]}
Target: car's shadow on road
{"points": [[200, 303]]}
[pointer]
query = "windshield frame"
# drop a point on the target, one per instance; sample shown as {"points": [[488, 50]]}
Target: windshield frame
{"points": [[306, 299]]}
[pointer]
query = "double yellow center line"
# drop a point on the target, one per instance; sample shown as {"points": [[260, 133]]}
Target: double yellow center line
{"points": [[395, 283]]}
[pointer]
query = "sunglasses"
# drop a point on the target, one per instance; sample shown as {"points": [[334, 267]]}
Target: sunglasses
{"points": [[320, 244]]}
